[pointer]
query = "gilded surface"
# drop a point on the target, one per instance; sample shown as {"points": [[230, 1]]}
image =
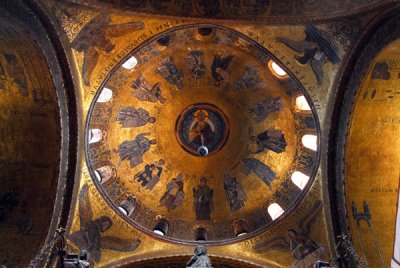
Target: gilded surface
{"points": [[372, 165], [272, 248]]}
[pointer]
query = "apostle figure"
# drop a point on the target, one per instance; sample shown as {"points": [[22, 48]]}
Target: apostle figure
{"points": [[263, 171], [202, 197], [219, 67], [134, 150], [143, 91], [150, 175], [174, 195], [234, 192], [250, 79], [130, 117], [263, 108], [170, 72], [271, 139], [195, 63]]}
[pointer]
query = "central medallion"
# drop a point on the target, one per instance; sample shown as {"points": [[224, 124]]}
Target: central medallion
{"points": [[202, 126]]}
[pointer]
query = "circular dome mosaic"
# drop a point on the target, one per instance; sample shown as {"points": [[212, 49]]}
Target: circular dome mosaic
{"points": [[194, 88]]}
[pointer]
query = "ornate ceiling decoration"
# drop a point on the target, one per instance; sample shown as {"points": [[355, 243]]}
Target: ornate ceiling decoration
{"points": [[195, 88]]}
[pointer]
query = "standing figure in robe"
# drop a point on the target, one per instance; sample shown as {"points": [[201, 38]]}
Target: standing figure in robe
{"points": [[263, 171], [271, 139], [128, 117], [235, 194], [263, 108], [134, 150], [143, 91], [203, 203], [174, 195]]}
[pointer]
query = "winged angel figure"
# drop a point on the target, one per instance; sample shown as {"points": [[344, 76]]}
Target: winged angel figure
{"points": [[94, 37], [91, 236], [316, 49], [305, 250]]}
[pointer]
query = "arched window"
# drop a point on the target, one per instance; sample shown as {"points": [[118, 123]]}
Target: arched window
{"points": [[161, 227], [201, 234], [310, 141], [95, 135], [105, 95], [302, 104], [275, 210], [128, 206], [103, 174], [277, 70], [130, 63], [300, 179]]}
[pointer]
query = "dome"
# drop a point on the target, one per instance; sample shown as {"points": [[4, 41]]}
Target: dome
{"points": [[197, 133]]}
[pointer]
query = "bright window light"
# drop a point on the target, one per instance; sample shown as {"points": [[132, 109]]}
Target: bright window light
{"points": [[123, 210], [159, 232], [302, 104], [300, 179], [310, 141], [95, 135], [276, 69], [105, 95], [130, 63], [275, 211]]}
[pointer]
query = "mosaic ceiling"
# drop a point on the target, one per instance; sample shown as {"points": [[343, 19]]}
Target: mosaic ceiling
{"points": [[199, 134]]}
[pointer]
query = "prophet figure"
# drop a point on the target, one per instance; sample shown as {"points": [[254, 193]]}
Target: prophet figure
{"points": [[203, 203], [130, 117], [263, 171], [195, 63], [263, 108], [134, 150], [316, 49], [151, 174], [201, 132], [94, 37], [200, 259], [235, 194], [91, 236], [170, 72], [250, 79], [143, 91], [271, 139], [174, 195], [219, 67]]}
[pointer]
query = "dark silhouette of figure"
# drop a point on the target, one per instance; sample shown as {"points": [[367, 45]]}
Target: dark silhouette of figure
{"points": [[150, 175], [219, 67], [91, 237], [195, 63], [134, 150], [263, 171], [316, 49], [170, 72], [271, 139], [263, 108], [203, 203]]}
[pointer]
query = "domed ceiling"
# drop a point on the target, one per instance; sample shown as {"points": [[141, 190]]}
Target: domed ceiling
{"points": [[199, 135]]}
